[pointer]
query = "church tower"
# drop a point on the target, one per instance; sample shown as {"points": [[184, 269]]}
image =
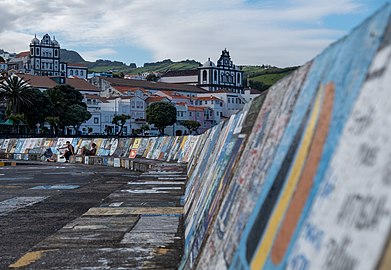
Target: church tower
{"points": [[224, 76], [45, 56]]}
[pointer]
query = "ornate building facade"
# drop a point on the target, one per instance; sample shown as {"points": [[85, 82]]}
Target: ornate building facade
{"points": [[45, 56], [225, 75]]}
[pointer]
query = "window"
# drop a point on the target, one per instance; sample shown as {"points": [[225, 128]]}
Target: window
{"points": [[229, 100], [32, 51], [81, 72], [55, 53], [215, 75], [198, 114], [71, 72], [76, 72], [37, 51], [96, 120], [204, 75], [190, 114], [132, 104]]}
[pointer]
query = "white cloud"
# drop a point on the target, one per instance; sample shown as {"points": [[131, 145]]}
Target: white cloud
{"points": [[287, 33], [96, 54]]}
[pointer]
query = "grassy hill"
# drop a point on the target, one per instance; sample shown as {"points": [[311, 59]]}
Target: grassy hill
{"points": [[167, 65], [259, 77]]}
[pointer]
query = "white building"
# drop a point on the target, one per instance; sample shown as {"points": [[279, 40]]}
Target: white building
{"points": [[45, 56], [225, 75], [73, 70], [232, 102], [189, 77], [3, 65]]}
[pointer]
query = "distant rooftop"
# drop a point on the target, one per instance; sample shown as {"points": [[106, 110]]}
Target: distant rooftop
{"points": [[180, 73], [154, 85]]}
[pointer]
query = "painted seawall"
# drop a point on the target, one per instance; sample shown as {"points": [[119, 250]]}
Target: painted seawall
{"points": [[308, 187], [300, 179]]}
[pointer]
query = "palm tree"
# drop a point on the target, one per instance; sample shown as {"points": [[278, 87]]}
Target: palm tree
{"points": [[14, 91]]}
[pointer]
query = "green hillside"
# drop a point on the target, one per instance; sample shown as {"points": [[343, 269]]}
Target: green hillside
{"points": [[161, 66], [258, 77], [261, 77], [167, 65]]}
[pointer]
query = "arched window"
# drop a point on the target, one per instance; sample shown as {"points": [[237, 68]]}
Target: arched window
{"points": [[204, 75], [71, 72], [77, 73]]}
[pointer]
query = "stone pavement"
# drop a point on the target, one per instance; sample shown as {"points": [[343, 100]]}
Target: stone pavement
{"points": [[66, 216]]}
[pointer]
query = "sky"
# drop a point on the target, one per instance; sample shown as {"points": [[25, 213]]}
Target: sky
{"points": [[275, 32]]}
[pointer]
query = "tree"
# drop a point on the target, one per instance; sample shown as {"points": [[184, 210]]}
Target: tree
{"points": [[120, 120], [74, 116], [68, 106], [161, 114], [14, 91], [152, 77], [43, 108], [16, 119], [53, 122], [144, 128], [191, 125]]}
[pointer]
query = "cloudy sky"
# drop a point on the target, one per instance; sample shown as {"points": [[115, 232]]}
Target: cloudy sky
{"points": [[276, 32]]}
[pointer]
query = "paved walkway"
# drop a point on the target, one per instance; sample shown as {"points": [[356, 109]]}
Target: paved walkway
{"points": [[90, 217]]}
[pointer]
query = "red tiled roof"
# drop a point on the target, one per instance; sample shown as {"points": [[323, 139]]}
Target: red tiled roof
{"points": [[174, 95], [102, 99], [194, 108], [76, 65], [206, 98], [125, 89], [154, 99], [23, 54], [38, 81], [81, 84], [154, 85]]}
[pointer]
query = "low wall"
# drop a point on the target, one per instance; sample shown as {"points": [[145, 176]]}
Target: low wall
{"points": [[128, 153], [299, 179]]}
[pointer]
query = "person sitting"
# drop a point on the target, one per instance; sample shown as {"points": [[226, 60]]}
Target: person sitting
{"points": [[70, 150], [53, 158], [48, 153], [91, 152]]}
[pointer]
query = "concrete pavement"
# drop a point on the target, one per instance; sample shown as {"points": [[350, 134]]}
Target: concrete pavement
{"points": [[67, 216]]}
